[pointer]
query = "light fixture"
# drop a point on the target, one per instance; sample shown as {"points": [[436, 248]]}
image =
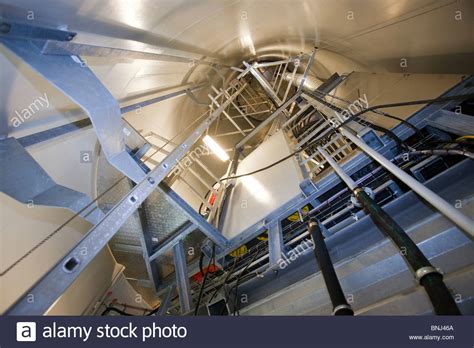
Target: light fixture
{"points": [[215, 148]]}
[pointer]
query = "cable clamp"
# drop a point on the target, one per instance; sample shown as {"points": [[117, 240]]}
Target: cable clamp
{"points": [[357, 190], [423, 271]]}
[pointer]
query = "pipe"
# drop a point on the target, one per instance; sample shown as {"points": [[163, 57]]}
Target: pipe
{"points": [[337, 168], [310, 83], [440, 152], [463, 222], [338, 299], [428, 276]]}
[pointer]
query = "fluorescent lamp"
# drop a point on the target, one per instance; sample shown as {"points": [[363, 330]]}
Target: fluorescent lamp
{"points": [[215, 148]]}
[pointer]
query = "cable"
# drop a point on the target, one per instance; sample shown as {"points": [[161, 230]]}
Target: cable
{"points": [[389, 132], [211, 260], [229, 274], [441, 152], [378, 112], [122, 312], [391, 105], [400, 142], [239, 276], [262, 169], [114, 309], [238, 280], [279, 161], [270, 165], [413, 102], [205, 197]]}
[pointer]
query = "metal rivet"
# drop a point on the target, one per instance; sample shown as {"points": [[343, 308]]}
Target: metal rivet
{"points": [[5, 28]]}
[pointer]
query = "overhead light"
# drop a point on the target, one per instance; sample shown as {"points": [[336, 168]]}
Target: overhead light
{"points": [[215, 148]]}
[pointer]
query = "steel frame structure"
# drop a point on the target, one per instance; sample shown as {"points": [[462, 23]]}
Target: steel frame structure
{"points": [[55, 45]]}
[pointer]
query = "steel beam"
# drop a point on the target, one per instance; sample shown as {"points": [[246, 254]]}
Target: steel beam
{"points": [[182, 278], [264, 83], [147, 248], [292, 118], [62, 275], [267, 121], [170, 243], [165, 303], [80, 124], [62, 48], [10, 29], [275, 242], [452, 122], [210, 231], [269, 64], [462, 221], [306, 71], [182, 91], [70, 77], [28, 183]]}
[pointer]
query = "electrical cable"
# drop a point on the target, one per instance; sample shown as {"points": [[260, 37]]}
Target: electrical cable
{"points": [[239, 276], [391, 105], [400, 142], [440, 152], [205, 197], [114, 309], [122, 312], [211, 260], [409, 103], [271, 165], [262, 169], [236, 298], [229, 274], [378, 112]]}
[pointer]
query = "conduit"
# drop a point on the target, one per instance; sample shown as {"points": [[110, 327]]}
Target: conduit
{"points": [[338, 299], [428, 276], [463, 222]]}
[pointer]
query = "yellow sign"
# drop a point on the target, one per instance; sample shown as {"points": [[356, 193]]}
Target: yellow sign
{"points": [[239, 252], [296, 216]]}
